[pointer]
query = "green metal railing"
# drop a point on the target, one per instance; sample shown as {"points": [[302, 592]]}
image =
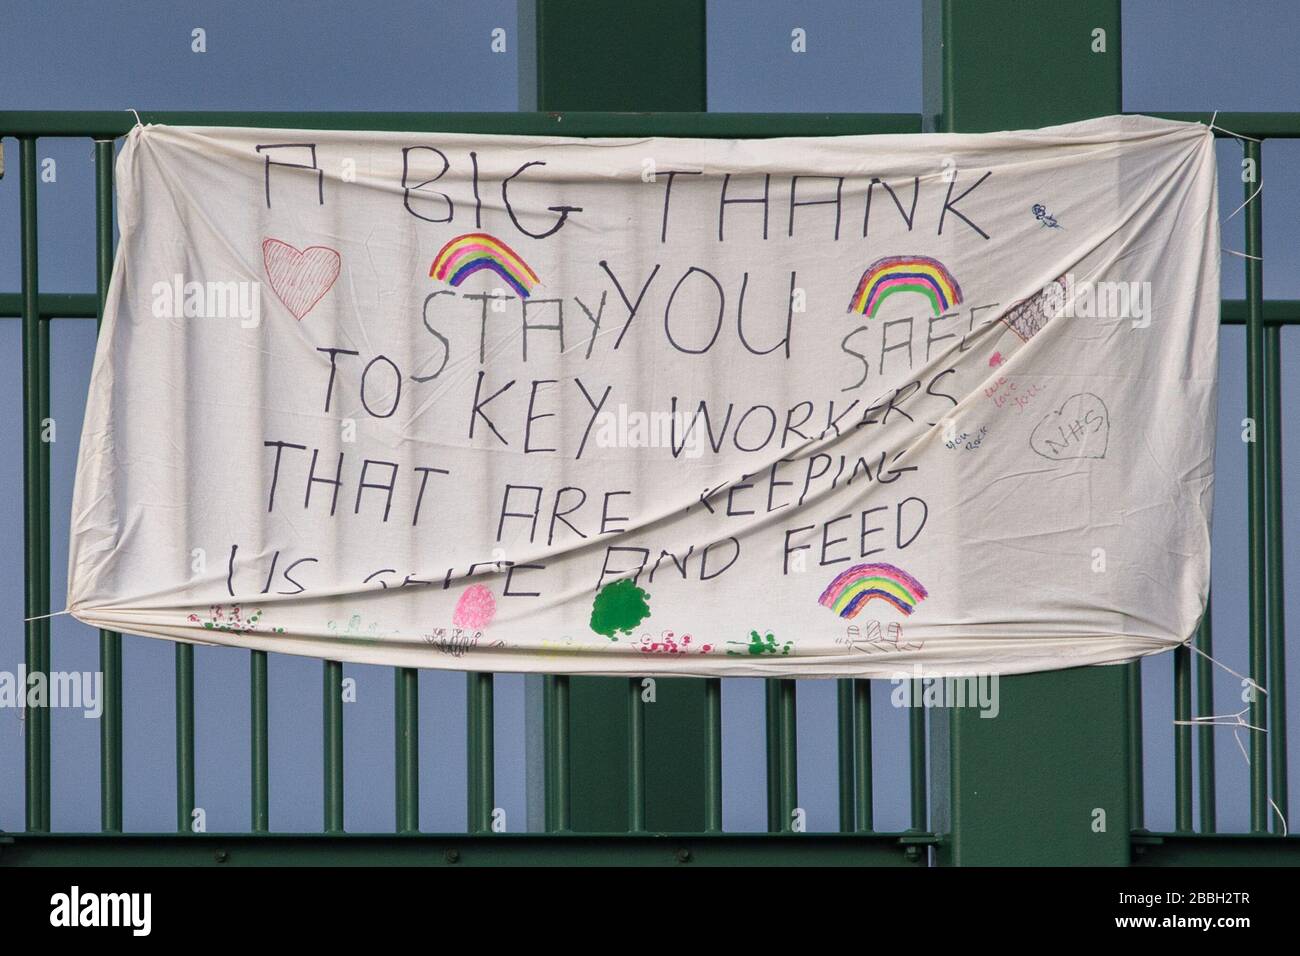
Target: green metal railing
{"points": [[857, 841]]}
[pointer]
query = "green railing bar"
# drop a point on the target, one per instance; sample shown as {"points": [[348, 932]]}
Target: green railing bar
{"points": [[1276, 312], [406, 733], [185, 738], [37, 769], [102, 123], [85, 305], [260, 747], [60, 305], [738, 125], [864, 822], [1137, 781], [789, 754], [332, 707], [916, 733], [481, 783], [1276, 578], [1182, 739], [1255, 125], [635, 758], [772, 749], [110, 643], [1257, 539], [845, 742], [713, 755], [1205, 708]]}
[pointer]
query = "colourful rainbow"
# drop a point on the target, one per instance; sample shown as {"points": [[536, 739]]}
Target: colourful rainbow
{"points": [[465, 255], [852, 589], [893, 274]]}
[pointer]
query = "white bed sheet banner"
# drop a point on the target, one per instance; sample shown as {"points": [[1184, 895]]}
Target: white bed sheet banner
{"points": [[813, 407]]}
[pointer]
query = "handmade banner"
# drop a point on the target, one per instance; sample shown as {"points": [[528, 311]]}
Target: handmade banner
{"points": [[809, 407]]}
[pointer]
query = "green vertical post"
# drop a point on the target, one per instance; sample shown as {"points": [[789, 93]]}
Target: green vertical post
{"points": [[1183, 739], [1256, 491], [595, 55], [845, 743], [43, 585], [864, 820], [36, 592], [259, 743], [110, 643], [782, 754], [332, 707], [635, 757], [406, 741], [1205, 708], [916, 740], [42, 508], [713, 755], [772, 749], [1047, 780], [1276, 577], [789, 787], [184, 737]]}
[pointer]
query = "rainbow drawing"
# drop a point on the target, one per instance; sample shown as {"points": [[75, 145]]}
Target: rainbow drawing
{"points": [[852, 589], [884, 277], [465, 255]]}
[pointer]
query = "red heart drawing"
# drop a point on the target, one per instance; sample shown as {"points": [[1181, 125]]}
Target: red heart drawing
{"points": [[300, 278]]}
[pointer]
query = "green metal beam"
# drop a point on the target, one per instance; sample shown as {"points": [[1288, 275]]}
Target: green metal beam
{"points": [[479, 749], [531, 849], [597, 55], [636, 761], [584, 119], [1048, 780], [609, 122], [1254, 125], [1215, 849], [1004, 64], [426, 849]]}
